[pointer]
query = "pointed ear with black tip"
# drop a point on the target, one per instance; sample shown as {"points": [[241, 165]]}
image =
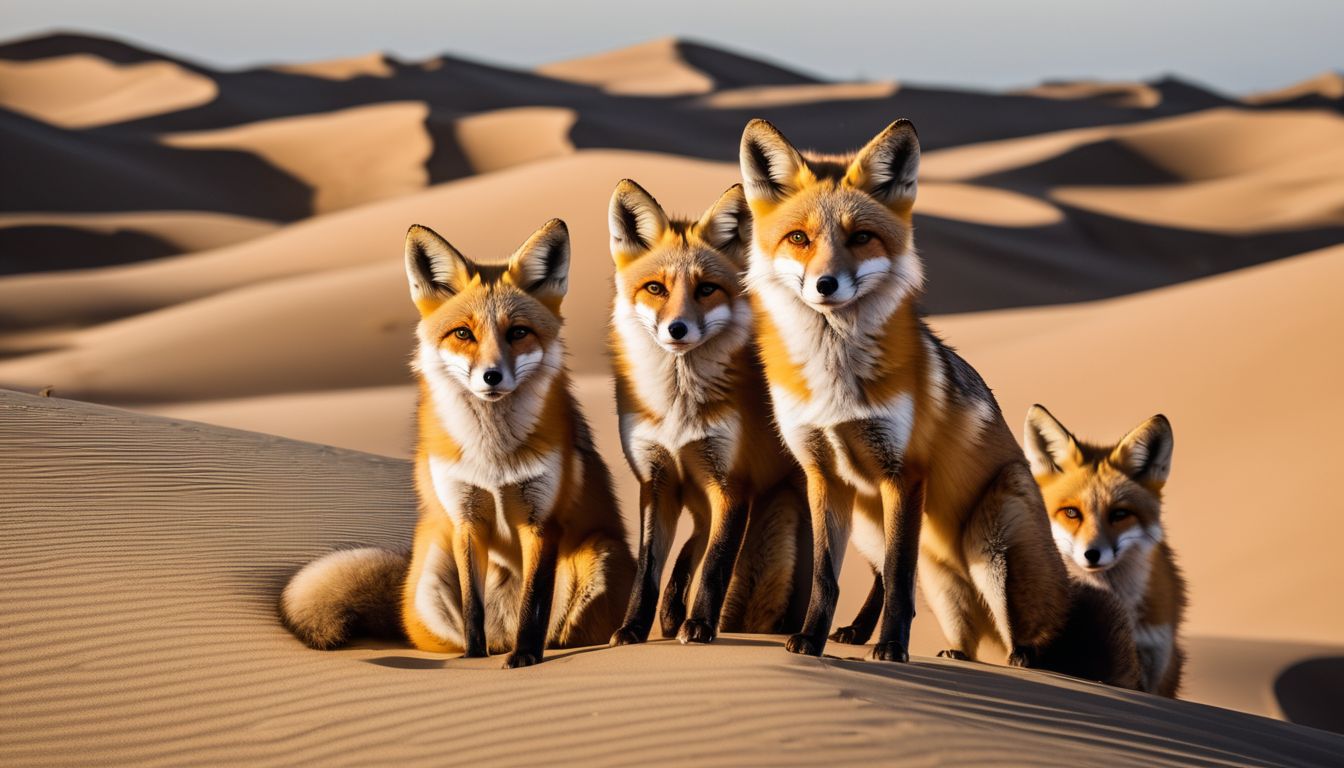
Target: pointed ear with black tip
{"points": [[888, 167], [770, 164], [636, 222], [1049, 446], [435, 269], [726, 226], [1145, 453], [541, 265]]}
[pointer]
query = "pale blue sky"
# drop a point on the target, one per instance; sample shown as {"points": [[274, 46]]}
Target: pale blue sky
{"points": [[1232, 45]]}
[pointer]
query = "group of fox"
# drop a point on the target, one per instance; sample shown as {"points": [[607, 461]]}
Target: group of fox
{"points": [[775, 379]]}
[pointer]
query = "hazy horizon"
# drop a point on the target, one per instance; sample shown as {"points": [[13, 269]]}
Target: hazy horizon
{"points": [[970, 43]]}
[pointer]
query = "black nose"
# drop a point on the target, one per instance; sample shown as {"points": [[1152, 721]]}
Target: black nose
{"points": [[1092, 555], [492, 377], [826, 285], [677, 330]]}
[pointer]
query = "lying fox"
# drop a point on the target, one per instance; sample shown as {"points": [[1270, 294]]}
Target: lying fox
{"points": [[517, 509], [1105, 506], [886, 420], [695, 425]]}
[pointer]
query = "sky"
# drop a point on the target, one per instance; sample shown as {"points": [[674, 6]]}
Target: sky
{"points": [[1234, 46]]}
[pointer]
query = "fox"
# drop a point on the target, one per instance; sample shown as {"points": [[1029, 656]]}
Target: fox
{"points": [[519, 529], [1105, 507], [902, 443], [695, 426]]}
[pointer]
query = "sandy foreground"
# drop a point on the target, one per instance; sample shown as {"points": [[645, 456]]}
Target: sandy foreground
{"points": [[143, 557], [224, 248]]}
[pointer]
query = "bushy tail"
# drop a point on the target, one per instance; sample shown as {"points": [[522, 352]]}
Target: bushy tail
{"points": [[1096, 642], [346, 593]]}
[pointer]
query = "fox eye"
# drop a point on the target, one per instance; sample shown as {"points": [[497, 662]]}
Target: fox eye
{"points": [[798, 237], [1072, 513], [1119, 514], [859, 238], [464, 334], [517, 332], [656, 288], [706, 289]]}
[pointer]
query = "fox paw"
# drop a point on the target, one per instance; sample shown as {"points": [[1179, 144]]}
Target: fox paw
{"points": [[516, 659], [804, 644], [1023, 656], [953, 653], [851, 635], [626, 636], [474, 653], [889, 651], [695, 631]]}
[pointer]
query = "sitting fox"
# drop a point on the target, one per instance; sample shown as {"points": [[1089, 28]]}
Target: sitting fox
{"points": [[696, 429], [1105, 506], [517, 511], [898, 435]]}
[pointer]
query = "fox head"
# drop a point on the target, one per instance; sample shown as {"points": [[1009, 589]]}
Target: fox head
{"points": [[1104, 502], [489, 328], [679, 280], [832, 229]]}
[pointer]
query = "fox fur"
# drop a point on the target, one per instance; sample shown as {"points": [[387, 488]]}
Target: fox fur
{"points": [[1105, 507], [695, 426], [520, 544]]}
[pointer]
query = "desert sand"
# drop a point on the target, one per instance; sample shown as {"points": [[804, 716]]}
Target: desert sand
{"points": [[231, 260]]}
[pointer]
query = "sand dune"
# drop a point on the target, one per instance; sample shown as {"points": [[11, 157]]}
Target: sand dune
{"points": [[1135, 95], [651, 69], [348, 157], [368, 65], [186, 579], [84, 91]]}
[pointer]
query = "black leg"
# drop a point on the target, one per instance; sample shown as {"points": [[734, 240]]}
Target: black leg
{"points": [[728, 526], [865, 622], [658, 520], [540, 546], [902, 505]]}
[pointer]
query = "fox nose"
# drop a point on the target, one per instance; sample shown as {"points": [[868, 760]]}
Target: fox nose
{"points": [[492, 377], [826, 285], [677, 330], [1092, 555]]}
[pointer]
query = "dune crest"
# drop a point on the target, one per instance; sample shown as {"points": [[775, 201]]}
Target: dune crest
{"points": [[368, 65], [86, 91], [348, 157], [655, 68]]}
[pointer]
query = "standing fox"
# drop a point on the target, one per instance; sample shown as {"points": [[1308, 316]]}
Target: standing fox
{"points": [[695, 425], [886, 420], [1105, 506], [516, 505]]}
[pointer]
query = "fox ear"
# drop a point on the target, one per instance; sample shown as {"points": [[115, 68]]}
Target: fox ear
{"points": [[636, 222], [888, 166], [1145, 453], [434, 268], [540, 266], [726, 226], [1049, 446], [770, 164]]}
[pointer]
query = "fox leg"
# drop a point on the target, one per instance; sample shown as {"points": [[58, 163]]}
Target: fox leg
{"points": [[540, 544], [659, 507], [672, 609], [1014, 564], [902, 515], [728, 522], [762, 588], [831, 505], [470, 550], [865, 622]]}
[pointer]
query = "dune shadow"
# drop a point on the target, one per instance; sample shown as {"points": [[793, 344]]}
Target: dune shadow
{"points": [[1311, 692], [407, 662]]}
